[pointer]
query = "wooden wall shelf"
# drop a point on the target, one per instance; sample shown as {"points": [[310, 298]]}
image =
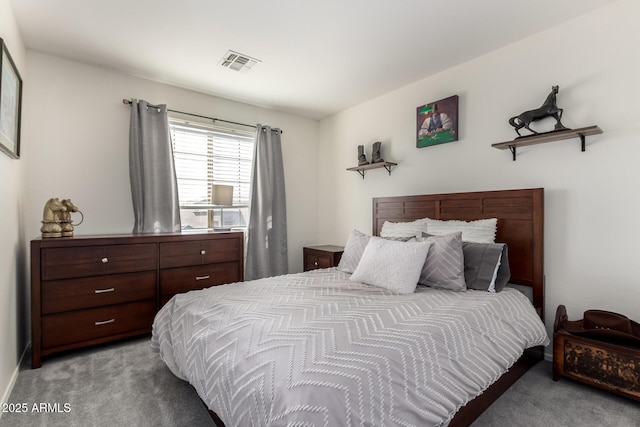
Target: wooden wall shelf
{"points": [[548, 137], [361, 169]]}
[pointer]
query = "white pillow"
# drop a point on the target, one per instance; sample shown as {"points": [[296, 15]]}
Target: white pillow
{"points": [[403, 229], [392, 264], [479, 231], [492, 285]]}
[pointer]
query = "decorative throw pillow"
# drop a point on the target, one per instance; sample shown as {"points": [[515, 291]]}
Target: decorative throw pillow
{"points": [[391, 264], [403, 229], [486, 266], [444, 267], [479, 231], [353, 250]]}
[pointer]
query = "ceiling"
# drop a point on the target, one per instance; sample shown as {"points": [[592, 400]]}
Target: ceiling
{"points": [[317, 58]]}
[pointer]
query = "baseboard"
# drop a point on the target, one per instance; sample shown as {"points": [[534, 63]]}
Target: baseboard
{"points": [[14, 377]]}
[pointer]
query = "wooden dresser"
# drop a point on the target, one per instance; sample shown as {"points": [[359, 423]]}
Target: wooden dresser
{"points": [[88, 290]]}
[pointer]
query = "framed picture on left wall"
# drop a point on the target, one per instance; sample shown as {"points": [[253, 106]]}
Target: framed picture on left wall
{"points": [[10, 104]]}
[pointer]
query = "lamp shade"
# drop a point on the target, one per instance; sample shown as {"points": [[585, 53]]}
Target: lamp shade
{"points": [[222, 195]]}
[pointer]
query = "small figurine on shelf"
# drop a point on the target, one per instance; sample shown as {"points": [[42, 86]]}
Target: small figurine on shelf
{"points": [[375, 155], [547, 109], [362, 158]]}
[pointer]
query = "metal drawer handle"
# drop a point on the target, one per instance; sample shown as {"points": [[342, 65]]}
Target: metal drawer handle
{"points": [[104, 322], [202, 277], [315, 263], [105, 260], [202, 252], [102, 291]]}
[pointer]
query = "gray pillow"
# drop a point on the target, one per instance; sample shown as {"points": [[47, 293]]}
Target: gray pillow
{"points": [[354, 248], [480, 263], [444, 267]]}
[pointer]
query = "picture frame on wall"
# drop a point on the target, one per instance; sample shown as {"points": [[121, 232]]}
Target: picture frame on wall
{"points": [[10, 104], [437, 122]]}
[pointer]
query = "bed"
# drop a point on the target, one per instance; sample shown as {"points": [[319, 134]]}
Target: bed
{"points": [[317, 348]]}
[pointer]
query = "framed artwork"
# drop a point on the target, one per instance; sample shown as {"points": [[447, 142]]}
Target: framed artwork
{"points": [[437, 122], [10, 104]]}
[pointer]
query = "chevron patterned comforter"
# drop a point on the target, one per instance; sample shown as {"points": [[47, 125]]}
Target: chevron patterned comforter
{"points": [[315, 349]]}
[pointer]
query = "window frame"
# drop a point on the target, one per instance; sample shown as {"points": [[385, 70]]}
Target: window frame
{"points": [[241, 182]]}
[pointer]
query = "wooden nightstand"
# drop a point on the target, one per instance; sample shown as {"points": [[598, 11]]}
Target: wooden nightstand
{"points": [[611, 367], [324, 256]]}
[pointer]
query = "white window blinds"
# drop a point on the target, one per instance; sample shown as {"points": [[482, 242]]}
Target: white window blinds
{"points": [[206, 155]]}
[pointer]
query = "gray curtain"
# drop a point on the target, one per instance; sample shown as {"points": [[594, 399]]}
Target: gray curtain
{"points": [[154, 188], [267, 235]]}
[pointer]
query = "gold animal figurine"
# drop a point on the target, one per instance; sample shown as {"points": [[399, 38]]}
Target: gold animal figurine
{"points": [[51, 219], [56, 218], [65, 219]]}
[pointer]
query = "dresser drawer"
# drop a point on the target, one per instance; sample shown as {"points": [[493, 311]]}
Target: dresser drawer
{"points": [[83, 261], [88, 292], [83, 325], [311, 261], [177, 280], [197, 252], [321, 256]]}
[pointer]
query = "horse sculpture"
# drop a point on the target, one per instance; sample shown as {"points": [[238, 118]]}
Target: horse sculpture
{"points": [[65, 218], [53, 210], [547, 109], [56, 218]]}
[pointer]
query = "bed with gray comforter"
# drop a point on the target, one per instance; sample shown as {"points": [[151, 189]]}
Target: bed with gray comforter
{"points": [[316, 349]]}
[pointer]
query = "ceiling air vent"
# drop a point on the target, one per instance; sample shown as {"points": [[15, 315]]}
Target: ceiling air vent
{"points": [[238, 61]]}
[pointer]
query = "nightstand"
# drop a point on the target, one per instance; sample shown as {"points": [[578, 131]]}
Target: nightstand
{"points": [[324, 256], [609, 366]]}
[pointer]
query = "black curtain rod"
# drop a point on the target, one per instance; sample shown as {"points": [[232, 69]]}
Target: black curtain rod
{"points": [[128, 102]]}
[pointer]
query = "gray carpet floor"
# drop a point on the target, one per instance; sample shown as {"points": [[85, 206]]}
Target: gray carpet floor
{"points": [[125, 384]]}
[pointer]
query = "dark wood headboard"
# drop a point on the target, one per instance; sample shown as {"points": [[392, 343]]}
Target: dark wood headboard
{"points": [[520, 216]]}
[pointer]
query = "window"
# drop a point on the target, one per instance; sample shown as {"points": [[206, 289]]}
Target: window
{"points": [[207, 155]]}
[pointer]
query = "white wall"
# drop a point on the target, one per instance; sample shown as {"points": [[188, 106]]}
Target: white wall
{"points": [[75, 145], [75, 132], [78, 145], [591, 198], [13, 250]]}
